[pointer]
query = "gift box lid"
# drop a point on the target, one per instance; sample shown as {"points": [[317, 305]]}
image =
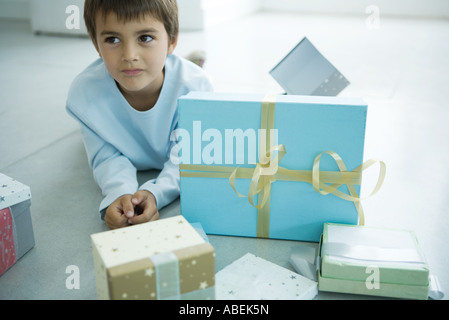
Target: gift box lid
{"points": [[12, 191], [305, 71], [349, 252], [120, 246]]}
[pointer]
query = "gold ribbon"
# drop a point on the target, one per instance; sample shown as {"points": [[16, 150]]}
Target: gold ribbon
{"points": [[268, 171]]}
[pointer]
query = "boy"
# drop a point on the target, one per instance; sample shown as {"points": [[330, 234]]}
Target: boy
{"points": [[126, 104]]}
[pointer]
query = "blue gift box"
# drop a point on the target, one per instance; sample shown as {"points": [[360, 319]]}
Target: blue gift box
{"points": [[223, 140]]}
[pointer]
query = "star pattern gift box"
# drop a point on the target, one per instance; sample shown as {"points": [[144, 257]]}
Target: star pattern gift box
{"points": [[16, 229], [254, 278], [165, 259], [266, 166], [372, 261]]}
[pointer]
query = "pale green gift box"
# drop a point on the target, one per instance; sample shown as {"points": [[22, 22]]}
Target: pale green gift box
{"points": [[372, 261]]}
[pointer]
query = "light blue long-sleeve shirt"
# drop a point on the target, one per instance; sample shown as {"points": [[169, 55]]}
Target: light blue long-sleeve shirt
{"points": [[120, 140]]}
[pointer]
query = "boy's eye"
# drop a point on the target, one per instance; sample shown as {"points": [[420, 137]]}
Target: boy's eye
{"points": [[145, 38], [112, 40]]}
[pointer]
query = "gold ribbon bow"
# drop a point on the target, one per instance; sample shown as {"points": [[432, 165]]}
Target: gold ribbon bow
{"points": [[268, 171]]}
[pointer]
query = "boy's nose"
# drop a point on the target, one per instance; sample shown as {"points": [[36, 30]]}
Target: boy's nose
{"points": [[130, 53]]}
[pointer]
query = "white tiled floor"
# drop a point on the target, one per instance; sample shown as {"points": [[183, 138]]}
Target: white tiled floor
{"points": [[400, 69]]}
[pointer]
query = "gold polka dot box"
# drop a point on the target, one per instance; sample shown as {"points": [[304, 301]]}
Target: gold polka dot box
{"points": [[163, 259]]}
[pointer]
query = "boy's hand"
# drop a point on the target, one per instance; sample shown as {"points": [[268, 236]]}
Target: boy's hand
{"points": [[145, 208], [131, 209], [115, 217]]}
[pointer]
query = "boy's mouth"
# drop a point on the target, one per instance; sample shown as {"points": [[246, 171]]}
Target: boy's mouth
{"points": [[132, 72]]}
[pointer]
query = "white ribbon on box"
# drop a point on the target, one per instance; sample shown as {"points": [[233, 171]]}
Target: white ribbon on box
{"points": [[168, 281], [167, 276], [371, 253], [307, 263]]}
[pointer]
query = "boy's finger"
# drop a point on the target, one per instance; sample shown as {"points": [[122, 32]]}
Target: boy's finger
{"points": [[128, 207], [115, 219], [117, 222], [150, 213], [140, 196], [146, 216]]}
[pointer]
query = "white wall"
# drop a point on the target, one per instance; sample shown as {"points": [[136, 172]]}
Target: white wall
{"points": [[191, 14], [198, 14], [218, 11], [50, 15], [407, 8], [58, 16], [15, 9]]}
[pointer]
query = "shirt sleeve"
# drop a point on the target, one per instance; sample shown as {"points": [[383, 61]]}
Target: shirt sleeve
{"points": [[113, 172], [165, 187]]}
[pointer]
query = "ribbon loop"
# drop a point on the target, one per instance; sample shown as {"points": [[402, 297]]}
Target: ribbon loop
{"points": [[325, 189], [263, 176]]}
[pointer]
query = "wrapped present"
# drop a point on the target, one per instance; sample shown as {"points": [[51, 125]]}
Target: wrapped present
{"points": [[372, 261], [254, 278], [305, 71], [271, 166], [16, 228], [165, 259]]}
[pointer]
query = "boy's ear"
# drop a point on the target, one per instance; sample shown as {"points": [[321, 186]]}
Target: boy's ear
{"points": [[172, 44], [98, 50], [95, 43]]}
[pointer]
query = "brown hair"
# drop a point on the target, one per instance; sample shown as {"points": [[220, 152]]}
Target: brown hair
{"points": [[165, 11]]}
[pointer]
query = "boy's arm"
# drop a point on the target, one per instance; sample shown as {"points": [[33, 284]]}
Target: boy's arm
{"points": [[113, 172], [165, 188]]}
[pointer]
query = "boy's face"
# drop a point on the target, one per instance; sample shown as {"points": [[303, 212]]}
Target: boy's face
{"points": [[134, 52]]}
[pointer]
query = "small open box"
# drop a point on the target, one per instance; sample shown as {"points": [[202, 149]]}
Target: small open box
{"points": [[372, 261]]}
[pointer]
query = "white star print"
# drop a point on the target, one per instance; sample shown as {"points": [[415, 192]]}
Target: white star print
{"points": [[149, 272], [203, 285]]}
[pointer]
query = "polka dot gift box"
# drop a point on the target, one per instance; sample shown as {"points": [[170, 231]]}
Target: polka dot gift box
{"points": [[165, 259], [16, 229]]}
